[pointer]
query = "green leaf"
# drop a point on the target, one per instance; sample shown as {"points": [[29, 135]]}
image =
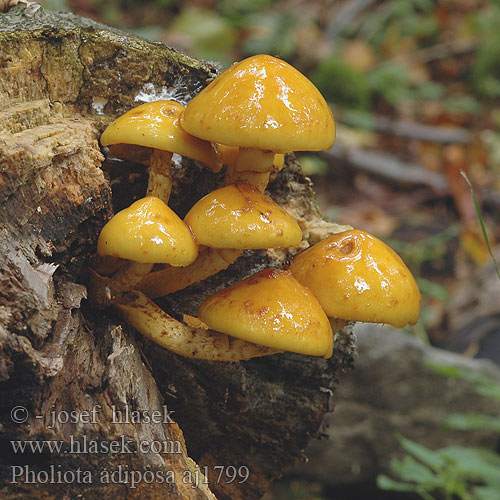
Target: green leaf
{"points": [[479, 464], [482, 385], [426, 455], [410, 470], [486, 493], [388, 484], [472, 421]]}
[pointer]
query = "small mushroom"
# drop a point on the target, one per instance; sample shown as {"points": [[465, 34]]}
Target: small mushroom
{"points": [[263, 106], [356, 276], [240, 216], [156, 125], [271, 308], [146, 233], [190, 338], [227, 221]]}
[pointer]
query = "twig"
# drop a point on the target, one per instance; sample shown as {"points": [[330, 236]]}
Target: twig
{"points": [[414, 130], [389, 167], [411, 130], [444, 50]]}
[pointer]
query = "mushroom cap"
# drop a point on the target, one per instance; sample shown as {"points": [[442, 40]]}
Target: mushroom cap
{"points": [[148, 232], [156, 125], [355, 276], [239, 216], [262, 102], [271, 308]]}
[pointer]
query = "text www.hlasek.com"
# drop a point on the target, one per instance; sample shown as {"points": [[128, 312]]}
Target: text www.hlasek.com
{"points": [[84, 445]]}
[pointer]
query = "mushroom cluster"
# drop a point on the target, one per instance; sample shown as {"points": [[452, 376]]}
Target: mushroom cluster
{"points": [[246, 119]]}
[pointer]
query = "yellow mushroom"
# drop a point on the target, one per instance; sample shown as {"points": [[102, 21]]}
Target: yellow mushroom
{"points": [[355, 276], [263, 106], [190, 338], [146, 233], [156, 125], [240, 216], [271, 308], [227, 221]]}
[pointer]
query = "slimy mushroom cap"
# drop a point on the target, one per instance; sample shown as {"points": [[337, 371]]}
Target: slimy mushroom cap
{"points": [[271, 308], [156, 125], [262, 102], [356, 276], [239, 216], [148, 232]]}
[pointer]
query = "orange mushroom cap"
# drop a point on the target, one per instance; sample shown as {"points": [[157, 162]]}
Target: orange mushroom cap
{"points": [[148, 232], [271, 308], [262, 102], [156, 125], [239, 216], [356, 276]]}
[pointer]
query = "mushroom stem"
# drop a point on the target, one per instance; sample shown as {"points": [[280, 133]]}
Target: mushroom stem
{"points": [[253, 166], [171, 279], [160, 179], [337, 324], [192, 341]]}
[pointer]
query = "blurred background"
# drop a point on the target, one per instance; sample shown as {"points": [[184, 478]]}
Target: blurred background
{"points": [[414, 86]]}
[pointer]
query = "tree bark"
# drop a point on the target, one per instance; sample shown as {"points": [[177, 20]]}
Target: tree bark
{"points": [[62, 79]]}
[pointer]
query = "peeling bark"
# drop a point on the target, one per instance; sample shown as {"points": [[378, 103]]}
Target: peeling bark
{"points": [[62, 79]]}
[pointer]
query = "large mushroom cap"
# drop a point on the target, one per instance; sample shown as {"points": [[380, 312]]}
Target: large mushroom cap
{"points": [[262, 102], [271, 308], [156, 125], [148, 232], [239, 216], [355, 276]]}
